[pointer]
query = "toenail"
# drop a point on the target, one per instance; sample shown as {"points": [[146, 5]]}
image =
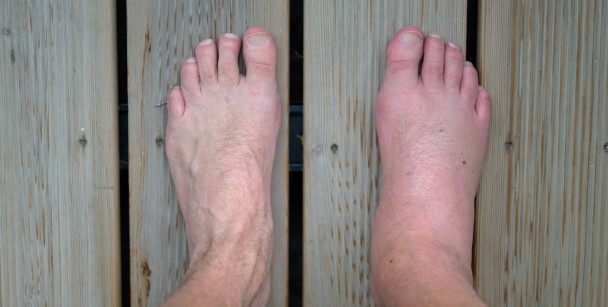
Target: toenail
{"points": [[435, 35], [257, 39], [411, 38], [468, 63], [453, 45], [190, 60], [205, 42], [231, 36]]}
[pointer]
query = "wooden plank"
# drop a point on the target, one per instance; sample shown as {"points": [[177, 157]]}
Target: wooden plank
{"points": [[541, 235], [161, 34], [345, 43], [59, 224]]}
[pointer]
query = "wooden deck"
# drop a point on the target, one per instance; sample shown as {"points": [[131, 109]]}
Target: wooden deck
{"points": [[542, 206]]}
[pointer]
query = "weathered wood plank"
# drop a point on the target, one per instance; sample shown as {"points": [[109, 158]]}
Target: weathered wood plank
{"points": [[345, 43], [541, 223], [161, 34], [59, 231]]}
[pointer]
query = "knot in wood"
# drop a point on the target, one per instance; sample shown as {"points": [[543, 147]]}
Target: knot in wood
{"points": [[334, 148]]}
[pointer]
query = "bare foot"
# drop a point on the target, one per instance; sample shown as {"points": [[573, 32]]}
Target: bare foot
{"points": [[433, 136], [220, 143]]}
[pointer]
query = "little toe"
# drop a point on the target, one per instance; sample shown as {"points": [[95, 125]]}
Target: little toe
{"points": [[206, 56], [469, 86], [228, 64], [260, 55], [454, 61], [432, 65], [482, 105], [176, 103], [190, 80], [403, 56]]}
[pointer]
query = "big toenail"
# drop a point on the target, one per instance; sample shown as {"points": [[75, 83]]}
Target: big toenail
{"points": [[258, 39], [411, 38], [231, 35]]}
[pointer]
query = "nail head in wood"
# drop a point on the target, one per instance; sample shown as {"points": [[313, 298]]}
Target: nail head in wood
{"points": [[83, 140]]}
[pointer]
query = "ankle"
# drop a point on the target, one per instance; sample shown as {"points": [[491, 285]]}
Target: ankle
{"points": [[234, 265], [422, 276], [206, 286]]}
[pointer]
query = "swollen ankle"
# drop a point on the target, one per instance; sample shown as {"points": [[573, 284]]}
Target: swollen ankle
{"points": [[422, 283]]}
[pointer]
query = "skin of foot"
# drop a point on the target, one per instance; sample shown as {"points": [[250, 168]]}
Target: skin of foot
{"points": [[220, 143], [432, 128]]}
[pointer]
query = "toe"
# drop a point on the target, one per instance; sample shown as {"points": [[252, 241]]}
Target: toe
{"points": [[176, 103], [482, 105], [190, 80], [454, 61], [432, 65], [228, 65], [469, 88], [403, 56], [206, 56], [260, 56]]}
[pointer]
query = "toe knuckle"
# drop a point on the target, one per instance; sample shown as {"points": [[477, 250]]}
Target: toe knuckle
{"points": [[228, 70], [435, 70], [263, 66]]}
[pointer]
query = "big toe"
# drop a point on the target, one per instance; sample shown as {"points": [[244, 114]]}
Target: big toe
{"points": [[260, 56], [403, 56]]}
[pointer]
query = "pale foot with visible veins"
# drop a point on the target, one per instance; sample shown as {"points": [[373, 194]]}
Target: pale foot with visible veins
{"points": [[220, 143], [433, 137]]}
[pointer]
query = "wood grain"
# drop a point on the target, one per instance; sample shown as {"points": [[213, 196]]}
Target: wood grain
{"points": [[542, 208], [161, 34], [59, 224], [345, 43]]}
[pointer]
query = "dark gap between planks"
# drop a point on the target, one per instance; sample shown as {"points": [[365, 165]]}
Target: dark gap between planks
{"points": [[471, 56], [296, 150], [123, 147]]}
